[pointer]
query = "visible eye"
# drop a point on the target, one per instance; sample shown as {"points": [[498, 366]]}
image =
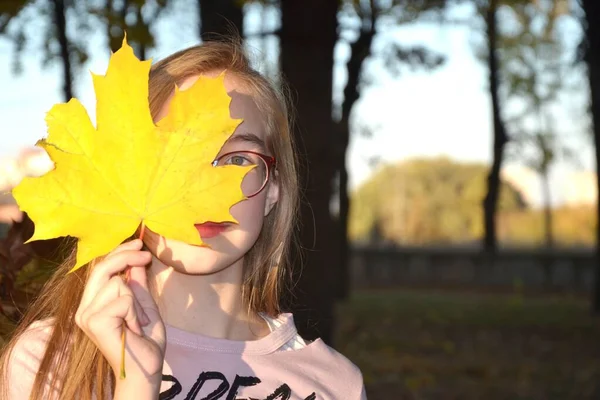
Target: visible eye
{"points": [[240, 159]]}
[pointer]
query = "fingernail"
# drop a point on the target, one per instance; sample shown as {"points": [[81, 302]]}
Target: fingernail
{"points": [[145, 319]]}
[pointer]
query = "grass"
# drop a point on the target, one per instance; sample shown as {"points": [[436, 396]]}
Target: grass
{"points": [[444, 345]]}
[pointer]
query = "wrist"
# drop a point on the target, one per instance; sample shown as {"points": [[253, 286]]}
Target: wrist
{"points": [[134, 388]]}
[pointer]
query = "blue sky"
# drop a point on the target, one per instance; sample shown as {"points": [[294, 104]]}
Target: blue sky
{"points": [[416, 114]]}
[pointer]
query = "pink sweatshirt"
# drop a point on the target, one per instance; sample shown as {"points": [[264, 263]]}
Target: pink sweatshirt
{"points": [[278, 366]]}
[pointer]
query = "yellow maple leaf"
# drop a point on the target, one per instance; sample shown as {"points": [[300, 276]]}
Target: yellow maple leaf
{"points": [[127, 171]]}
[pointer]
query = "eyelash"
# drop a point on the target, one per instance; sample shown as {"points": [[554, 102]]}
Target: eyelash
{"points": [[246, 160]]}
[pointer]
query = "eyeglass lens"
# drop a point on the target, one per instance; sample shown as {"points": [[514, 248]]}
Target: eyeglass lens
{"points": [[256, 178]]}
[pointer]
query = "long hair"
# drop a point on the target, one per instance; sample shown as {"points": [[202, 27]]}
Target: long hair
{"points": [[266, 265]]}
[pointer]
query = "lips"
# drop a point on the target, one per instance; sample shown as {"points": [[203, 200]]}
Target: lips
{"points": [[208, 230]]}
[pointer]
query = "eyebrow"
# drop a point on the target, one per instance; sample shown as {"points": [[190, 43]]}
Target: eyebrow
{"points": [[248, 137]]}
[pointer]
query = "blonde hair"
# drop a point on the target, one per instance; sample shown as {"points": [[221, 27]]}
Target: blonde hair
{"points": [[266, 265]]}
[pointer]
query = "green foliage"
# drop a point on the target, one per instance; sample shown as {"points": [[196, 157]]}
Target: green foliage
{"points": [[127, 16], [17, 17], [570, 227], [84, 17], [28, 283], [534, 64], [380, 16], [535, 69], [426, 201], [9, 10]]}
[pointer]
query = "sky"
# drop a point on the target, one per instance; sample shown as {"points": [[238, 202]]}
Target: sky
{"points": [[445, 112]]}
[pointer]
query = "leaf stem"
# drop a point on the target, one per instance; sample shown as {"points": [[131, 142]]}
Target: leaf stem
{"points": [[123, 330]]}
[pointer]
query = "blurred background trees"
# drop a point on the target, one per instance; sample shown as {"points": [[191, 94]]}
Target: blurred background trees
{"points": [[526, 62], [590, 44], [427, 201], [526, 47]]}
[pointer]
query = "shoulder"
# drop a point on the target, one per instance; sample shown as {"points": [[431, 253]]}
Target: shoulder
{"points": [[344, 369], [25, 356], [322, 352], [333, 373], [31, 344]]}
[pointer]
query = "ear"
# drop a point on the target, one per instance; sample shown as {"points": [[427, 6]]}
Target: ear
{"points": [[272, 193]]}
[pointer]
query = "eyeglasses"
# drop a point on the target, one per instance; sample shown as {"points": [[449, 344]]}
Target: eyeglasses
{"points": [[256, 179]]}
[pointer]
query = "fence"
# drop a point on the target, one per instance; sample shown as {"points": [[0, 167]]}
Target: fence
{"points": [[563, 269]]}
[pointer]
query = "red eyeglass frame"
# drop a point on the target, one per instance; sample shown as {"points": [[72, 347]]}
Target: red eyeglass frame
{"points": [[269, 160]]}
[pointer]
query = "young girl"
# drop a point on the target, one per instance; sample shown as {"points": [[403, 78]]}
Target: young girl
{"points": [[201, 323]]}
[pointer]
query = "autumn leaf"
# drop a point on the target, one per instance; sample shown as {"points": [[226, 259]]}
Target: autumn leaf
{"points": [[127, 170]]}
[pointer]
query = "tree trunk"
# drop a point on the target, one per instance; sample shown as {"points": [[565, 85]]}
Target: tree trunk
{"points": [[220, 17], [308, 36], [116, 18], [360, 50], [500, 138], [548, 233], [141, 47], [109, 17], [592, 14], [61, 34]]}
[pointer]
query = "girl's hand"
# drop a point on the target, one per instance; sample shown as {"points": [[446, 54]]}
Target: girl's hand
{"points": [[30, 162], [107, 302]]}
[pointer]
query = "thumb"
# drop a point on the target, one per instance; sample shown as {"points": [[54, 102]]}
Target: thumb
{"points": [[155, 329]]}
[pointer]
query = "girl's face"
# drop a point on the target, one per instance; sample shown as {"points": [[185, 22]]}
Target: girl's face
{"points": [[228, 243]]}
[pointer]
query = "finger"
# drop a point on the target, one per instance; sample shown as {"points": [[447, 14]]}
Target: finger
{"points": [[114, 314], [130, 246], [135, 244], [138, 282], [113, 289], [142, 316], [6, 197], [10, 213], [109, 267]]}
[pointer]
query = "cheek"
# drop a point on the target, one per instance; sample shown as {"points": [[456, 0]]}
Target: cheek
{"points": [[224, 249], [250, 213]]}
